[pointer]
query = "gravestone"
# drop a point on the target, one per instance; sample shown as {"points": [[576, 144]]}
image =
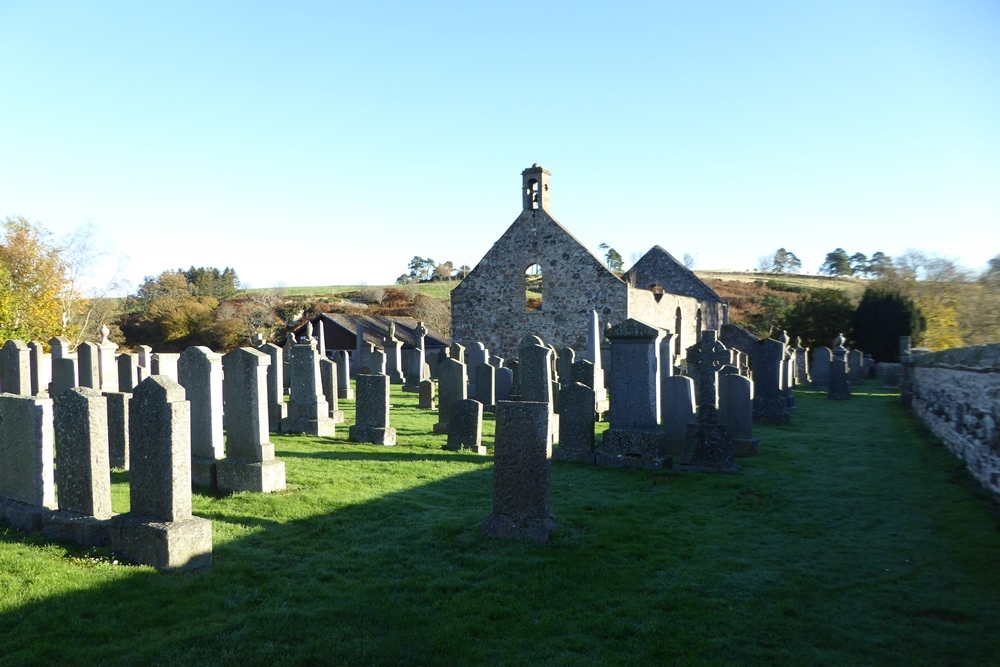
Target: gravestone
{"points": [[890, 374], [394, 360], [457, 351], [839, 386], [27, 466], [801, 362], [249, 464], [88, 372], [364, 358], [504, 381], [63, 376], [522, 471], [856, 366], [475, 355], [584, 372], [485, 386], [576, 423], [451, 389], [678, 411], [83, 471], [320, 339], [276, 408], [535, 370], [199, 371], [328, 380], [905, 372], [634, 438], [308, 411], [106, 365], [344, 389], [426, 400], [515, 379], [707, 444], [165, 363], [376, 362], [40, 368], [372, 412], [118, 449], [128, 371], [415, 372], [60, 347], [15, 368], [819, 368], [145, 353], [770, 404], [564, 366], [159, 529], [465, 427], [736, 412]]}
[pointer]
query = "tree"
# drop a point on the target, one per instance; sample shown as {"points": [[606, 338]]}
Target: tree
{"points": [[33, 282], [881, 318], [612, 259], [443, 271], [859, 264], [786, 262], [820, 316], [880, 265], [837, 263], [421, 269]]}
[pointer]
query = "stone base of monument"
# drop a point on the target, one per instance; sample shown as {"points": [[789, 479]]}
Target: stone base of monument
{"points": [[237, 475], [346, 394], [184, 545], [773, 410], [562, 453], [324, 428], [374, 434], [441, 427], [506, 526], [24, 517], [622, 448], [204, 473], [280, 412], [708, 448], [744, 447], [396, 378], [337, 417], [66, 526]]}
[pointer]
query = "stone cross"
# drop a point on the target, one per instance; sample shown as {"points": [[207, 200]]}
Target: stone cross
{"points": [[709, 356]]}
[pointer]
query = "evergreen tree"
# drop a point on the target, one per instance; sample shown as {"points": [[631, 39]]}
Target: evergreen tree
{"points": [[818, 317], [837, 263], [881, 318]]}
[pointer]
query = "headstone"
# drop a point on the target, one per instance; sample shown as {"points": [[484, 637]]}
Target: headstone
{"points": [[426, 400], [159, 529], [564, 366], [485, 386], [801, 363], [736, 412], [88, 372], [27, 466], [249, 464], [344, 389], [106, 369], [328, 380], [869, 367], [457, 351], [856, 366], [819, 368], [451, 388], [412, 369], [199, 371], [633, 438], [377, 363], [15, 368], [308, 411], [83, 471], [678, 411], [165, 363], [372, 412], [365, 358], [475, 355], [145, 353], [707, 443], [360, 361], [770, 404], [394, 361], [320, 339], [60, 347], [40, 367], [286, 362], [504, 381], [465, 427], [890, 374], [63, 376], [535, 370], [576, 423], [522, 471], [118, 449], [584, 372], [276, 408], [128, 371], [839, 387], [905, 372]]}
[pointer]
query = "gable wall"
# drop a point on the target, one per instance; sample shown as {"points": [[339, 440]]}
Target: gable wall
{"points": [[643, 306]]}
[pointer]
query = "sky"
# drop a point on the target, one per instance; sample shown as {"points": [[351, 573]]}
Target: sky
{"points": [[326, 143]]}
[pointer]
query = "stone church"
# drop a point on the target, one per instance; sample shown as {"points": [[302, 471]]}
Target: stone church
{"points": [[538, 279]]}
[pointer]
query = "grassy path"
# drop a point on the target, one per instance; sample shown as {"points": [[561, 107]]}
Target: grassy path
{"points": [[853, 539]]}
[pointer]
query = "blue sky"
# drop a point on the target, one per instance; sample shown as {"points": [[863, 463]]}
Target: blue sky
{"points": [[328, 143]]}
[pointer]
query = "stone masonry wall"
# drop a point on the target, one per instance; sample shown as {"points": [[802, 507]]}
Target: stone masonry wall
{"points": [[489, 305], [644, 306], [956, 393]]}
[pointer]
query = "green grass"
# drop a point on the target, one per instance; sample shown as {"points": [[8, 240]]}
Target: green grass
{"points": [[853, 539], [439, 290]]}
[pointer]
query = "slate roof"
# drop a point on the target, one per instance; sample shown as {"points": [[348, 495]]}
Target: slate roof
{"points": [[661, 268], [376, 329]]}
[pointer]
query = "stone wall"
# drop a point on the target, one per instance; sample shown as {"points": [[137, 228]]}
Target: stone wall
{"points": [[957, 395]]}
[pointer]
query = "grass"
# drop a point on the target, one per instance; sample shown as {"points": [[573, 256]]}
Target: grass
{"points": [[439, 290], [853, 539]]}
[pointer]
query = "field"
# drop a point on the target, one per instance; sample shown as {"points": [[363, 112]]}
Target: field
{"points": [[853, 539]]}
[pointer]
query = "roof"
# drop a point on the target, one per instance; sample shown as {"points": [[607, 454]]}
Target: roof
{"points": [[376, 329], [659, 267]]}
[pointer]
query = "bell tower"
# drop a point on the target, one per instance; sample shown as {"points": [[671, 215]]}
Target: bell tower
{"points": [[535, 188]]}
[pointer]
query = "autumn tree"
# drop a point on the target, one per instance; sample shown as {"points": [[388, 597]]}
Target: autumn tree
{"points": [[33, 282]]}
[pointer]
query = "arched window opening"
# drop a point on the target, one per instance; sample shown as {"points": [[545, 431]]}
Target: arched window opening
{"points": [[698, 327], [533, 287], [678, 321]]}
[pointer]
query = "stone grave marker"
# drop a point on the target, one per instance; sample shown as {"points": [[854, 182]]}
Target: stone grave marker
{"points": [[199, 371], [485, 387], [426, 400], [40, 368], [308, 411], [576, 423], [820, 367], [27, 465], [118, 449], [707, 443], [344, 389], [276, 408], [15, 368], [451, 388], [328, 380], [770, 404], [372, 411], [736, 412], [678, 411], [465, 427]]}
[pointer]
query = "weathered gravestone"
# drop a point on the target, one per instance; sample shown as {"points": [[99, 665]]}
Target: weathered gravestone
{"points": [[770, 404], [328, 380], [118, 449], [344, 389], [576, 423], [564, 366], [414, 367], [40, 368], [634, 438], [801, 362], [504, 380], [465, 427], [15, 368], [678, 411], [63, 376], [535, 370], [165, 363], [485, 386], [426, 399], [145, 353], [372, 412], [159, 529], [199, 371], [474, 356], [890, 374], [249, 464], [27, 466], [839, 384], [393, 354], [128, 371], [88, 372], [276, 408], [308, 411], [584, 372], [820, 367], [106, 365], [83, 471], [451, 389], [736, 412], [522, 471], [707, 443], [856, 366]]}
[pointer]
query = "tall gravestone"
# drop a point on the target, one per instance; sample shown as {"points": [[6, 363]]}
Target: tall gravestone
{"points": [[564, 366], [504, 380], [426, 399], [372, 411], [451, 389], [308, 411], [820, 367], [415, 372], [276, 408], [118, 449], [376, 363], [344, 389], [485, 386], [165, 363], [770, 404], [249, 464], [15, 368], [328, 380], [522, 472], [159, 529], [107, 370], [856, 366], [27, 465], [63, 375], [535, 370], [634, 438], [475, 355], [199, 371], [128, 371], [465, 427], [708, 445], [40, 367], [145, 353], [839, 386], [576, 423], [393, 355], [736, 412], [83, 470], [678, 411], [801, 362], [88, 372]]}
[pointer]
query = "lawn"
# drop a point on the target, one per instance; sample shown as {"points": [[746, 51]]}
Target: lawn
{"points": [[853, 539]]}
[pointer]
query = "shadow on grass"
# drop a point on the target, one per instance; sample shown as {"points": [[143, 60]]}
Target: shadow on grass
{"points": [[804, 558]]}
